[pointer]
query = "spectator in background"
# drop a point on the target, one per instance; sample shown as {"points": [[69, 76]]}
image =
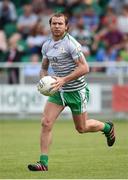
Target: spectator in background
{"points": [[49, 3], [36, 38], [122, 20], [112, 41], [83, 35], [7, 12], [3, 47], [105, 21], [26, 21], [14, 55], [123, 54], [110, 37], [94, 4], [103, 4], [91, 19], [44, 16], [33, 69], [109, 17], [113, 37], [124, 51], [117, 5], [60, 6], [38, 6], [75, 6], [107, 55], [3, 39]]}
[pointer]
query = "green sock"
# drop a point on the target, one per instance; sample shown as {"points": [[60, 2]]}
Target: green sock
{"points": [[107, 128], [44, 159]]}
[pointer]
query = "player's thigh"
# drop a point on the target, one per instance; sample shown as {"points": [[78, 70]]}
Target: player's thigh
{"points": [[80, 120], [77, 101], [51, 112]]}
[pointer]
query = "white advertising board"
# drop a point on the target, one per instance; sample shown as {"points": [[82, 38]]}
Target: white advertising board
{"points": [[94, 104], [21, 98], [26, 98]]}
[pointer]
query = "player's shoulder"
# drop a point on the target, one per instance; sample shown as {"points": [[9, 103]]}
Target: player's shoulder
{"points": [[72, 41], [45, 45], [46, 42]]}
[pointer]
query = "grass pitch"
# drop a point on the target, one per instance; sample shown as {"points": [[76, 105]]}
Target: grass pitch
{"points": [[72, 155]]}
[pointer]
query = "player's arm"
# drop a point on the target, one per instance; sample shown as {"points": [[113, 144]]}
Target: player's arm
{"points": [[44, 68], [81, 69]]}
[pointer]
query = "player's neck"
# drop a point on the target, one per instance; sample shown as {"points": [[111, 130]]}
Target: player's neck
{"points": [[57, 38]]}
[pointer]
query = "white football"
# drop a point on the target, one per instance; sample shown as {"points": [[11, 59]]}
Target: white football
{"points": [[45, 85]]}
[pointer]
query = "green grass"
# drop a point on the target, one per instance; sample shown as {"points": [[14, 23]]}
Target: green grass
{"points": [[72, 155]]}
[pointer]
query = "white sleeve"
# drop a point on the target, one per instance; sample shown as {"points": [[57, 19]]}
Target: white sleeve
{"points": [[75, 50], [43, 51]]}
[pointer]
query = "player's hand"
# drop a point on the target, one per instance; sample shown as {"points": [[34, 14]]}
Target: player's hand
{"points": [[58, 84]]}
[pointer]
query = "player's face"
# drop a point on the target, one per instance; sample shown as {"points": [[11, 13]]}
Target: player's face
{"points": [[58, 26]]}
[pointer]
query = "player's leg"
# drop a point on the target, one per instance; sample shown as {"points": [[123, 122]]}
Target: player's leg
{"points": [[84, 125], [77, 101], [50, 115]]}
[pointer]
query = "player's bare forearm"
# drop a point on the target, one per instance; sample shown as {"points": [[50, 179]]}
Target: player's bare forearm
{"points": [[43, 73], [44, 68]]}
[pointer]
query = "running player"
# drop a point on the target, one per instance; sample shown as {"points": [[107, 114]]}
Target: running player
{"points": [[64, 54]]}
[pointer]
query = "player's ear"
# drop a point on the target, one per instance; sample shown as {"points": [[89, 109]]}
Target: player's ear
{"points": [[67, 28]]}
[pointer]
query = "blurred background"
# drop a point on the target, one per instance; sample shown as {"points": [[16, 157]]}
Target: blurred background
{"points": [[101, 26]]}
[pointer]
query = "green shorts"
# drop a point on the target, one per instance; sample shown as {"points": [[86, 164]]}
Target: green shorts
{"points": [[75, 100]]}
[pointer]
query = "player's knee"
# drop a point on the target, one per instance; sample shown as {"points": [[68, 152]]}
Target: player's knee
{"points": [[46, 124], [80, 129]]}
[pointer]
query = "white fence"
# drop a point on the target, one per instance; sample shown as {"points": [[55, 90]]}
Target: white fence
{"points": [[115, 69], [116, 73]]}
